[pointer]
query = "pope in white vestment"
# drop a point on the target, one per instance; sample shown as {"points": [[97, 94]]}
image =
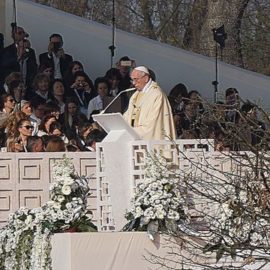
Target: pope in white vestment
{"points": [[149, 111]]}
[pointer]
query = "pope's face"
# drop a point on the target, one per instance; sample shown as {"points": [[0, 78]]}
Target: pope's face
{"points": [[139, 79]]}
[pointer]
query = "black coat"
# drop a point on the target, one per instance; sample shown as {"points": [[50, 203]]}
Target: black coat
{"points": [[9, 63], [64, 61]]}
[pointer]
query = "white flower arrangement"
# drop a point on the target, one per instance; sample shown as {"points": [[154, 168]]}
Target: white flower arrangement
{"points": [[158, 203], [241, 222], [25, 240]]}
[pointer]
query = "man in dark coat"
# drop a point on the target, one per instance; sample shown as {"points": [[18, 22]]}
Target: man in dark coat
{"points": [[56, 56], [19, 57]]}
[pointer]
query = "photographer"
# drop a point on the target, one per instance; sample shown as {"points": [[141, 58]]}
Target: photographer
{"points": [[124, 65], [82, 90], [56, 56]]}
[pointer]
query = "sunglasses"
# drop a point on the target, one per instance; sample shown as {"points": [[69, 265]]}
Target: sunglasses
{"points": [[11, 100], [28, 127]]}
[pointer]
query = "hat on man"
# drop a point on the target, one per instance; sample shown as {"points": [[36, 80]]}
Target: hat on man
{"points": [[143, 69]]}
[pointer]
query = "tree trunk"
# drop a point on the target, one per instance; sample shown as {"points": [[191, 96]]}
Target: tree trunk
{"points": [[210, 14], [148, 24]]}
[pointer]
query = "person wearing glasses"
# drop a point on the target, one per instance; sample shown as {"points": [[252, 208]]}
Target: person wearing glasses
{"points": [[7, 104], [149, 111], [19, 141]]}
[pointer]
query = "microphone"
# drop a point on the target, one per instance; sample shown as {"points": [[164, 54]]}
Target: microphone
{"points": [[119, 94]]}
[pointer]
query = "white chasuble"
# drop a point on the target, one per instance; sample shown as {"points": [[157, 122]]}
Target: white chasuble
{"points": [[151, 115]]}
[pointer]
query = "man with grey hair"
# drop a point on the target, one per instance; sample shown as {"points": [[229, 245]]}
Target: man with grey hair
{"points": [[149, 111]]}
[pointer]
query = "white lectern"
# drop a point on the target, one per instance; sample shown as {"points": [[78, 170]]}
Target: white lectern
{"points": [[114, 163], [116, 127]]}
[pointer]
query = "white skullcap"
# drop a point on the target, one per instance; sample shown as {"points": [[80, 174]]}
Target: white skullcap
{"points": [[143, 69]]}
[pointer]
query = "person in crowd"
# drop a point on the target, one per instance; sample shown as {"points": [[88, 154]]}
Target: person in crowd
{"points": [[55, 144], [26, 108], [9, 127], [257, 127], [47, 68], [58, 94], [44, 127], [52, 109], [73, 67], [177, 97], [124, 65], [232, 103], [19, 141], [7, 104], [194, 98], [220, 142], [16, 87], [41, 87], [83, 130], [188, 121], [96, 103], [72, 118], [94, 137], [82, 90], [34, 144], [10, 80], [72, 148], [149, 111], [19, 57], [38, 106], [57, 129], [113, 76], [57, 56]]}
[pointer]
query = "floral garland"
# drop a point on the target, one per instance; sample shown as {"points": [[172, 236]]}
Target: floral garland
{"points": [[241, 222], [25, 240], [158, 203]]}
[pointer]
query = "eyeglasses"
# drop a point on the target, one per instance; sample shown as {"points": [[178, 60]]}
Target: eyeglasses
{"points": [[28, 127], [11, 100]]}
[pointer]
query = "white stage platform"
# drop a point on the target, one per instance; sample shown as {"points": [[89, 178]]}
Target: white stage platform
{"points": [[106, 251], [134, 251]]}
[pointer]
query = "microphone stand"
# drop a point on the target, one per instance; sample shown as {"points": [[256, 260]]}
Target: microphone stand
{"points": [[112, 47], [215, 83], [119, 94]]}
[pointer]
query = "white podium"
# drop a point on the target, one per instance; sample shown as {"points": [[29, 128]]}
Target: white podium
{"points": [[114, 157], [116, 127]]}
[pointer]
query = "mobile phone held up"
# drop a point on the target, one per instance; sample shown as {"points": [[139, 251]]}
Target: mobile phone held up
{"points": [[127, 63]]}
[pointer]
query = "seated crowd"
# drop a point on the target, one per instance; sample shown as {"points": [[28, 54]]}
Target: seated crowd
{"points": [[49, 107]]}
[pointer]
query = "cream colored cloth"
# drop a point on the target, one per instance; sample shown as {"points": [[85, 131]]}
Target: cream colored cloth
{"points": [[155, 120], [108, 251], [136, 110]]}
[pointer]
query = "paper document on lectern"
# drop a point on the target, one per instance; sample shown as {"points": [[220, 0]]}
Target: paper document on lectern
{"points": [[116, 127]]}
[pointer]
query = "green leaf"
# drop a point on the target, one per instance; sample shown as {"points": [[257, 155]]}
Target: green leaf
{"points": [[233, 253], [220, 253]]}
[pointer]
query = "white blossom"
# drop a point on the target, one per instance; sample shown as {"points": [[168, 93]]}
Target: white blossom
{"points": [[34, 221]]}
